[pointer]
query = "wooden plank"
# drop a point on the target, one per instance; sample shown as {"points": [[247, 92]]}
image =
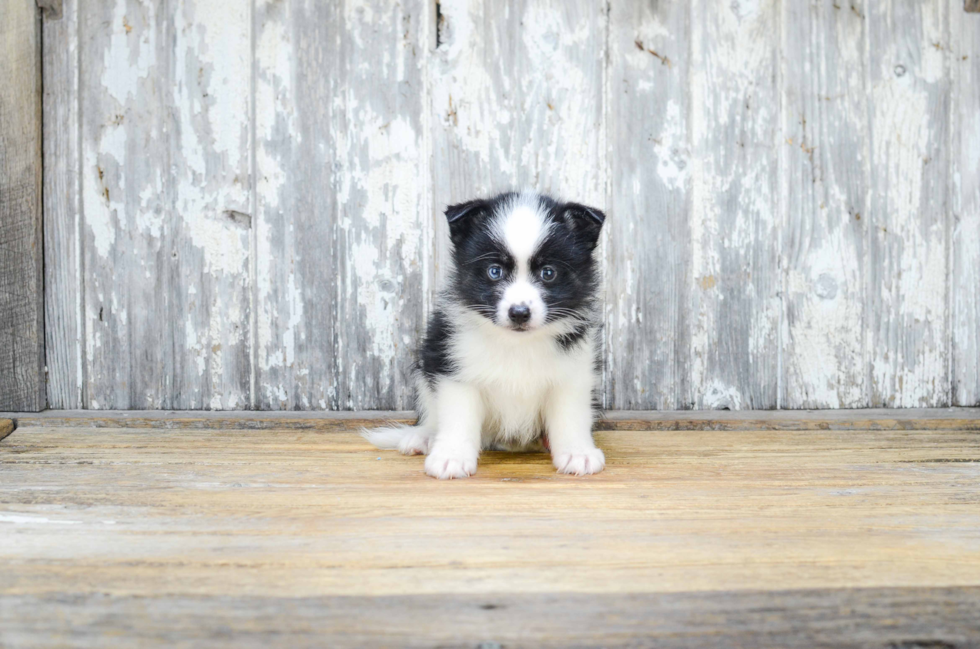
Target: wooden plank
{"points": [[826, 178], [328, 421], [734, 127], [964, 143], [301, 514], [908, 203], [517, 103], [744, 420], [63, 275], [21, 263], [211, 213], [648, 261], [891, 617], [165, 173], [128, 246], [343, 220]]}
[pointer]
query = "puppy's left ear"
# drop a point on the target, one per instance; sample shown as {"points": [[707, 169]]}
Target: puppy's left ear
{"points": [[585, 221], [462, 218]]}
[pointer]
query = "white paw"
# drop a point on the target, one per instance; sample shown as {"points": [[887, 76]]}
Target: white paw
{"points": [[580, 462], [414, 444], [447, 466]]}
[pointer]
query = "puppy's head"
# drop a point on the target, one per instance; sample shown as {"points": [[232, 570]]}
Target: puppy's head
{"points": [[523, 260]]}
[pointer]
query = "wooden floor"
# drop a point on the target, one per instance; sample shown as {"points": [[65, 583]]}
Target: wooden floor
{"points": [[190, 535]]}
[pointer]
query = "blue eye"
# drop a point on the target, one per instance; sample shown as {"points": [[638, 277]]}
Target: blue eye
{"points": [[495, 272], [548, 273]]}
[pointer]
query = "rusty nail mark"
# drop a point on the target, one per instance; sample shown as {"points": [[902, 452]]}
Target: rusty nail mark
{"points": [[664, 60]]}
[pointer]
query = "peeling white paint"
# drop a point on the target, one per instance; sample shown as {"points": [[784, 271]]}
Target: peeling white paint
{"points": [[728, 214]]}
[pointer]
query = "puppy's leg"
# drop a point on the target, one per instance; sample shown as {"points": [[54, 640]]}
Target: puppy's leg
{"points": [[454, 452], [568, 420]]}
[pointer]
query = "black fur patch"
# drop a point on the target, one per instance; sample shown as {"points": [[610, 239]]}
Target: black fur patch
{"points": [[434, 357], [572, 338], [568, 248]]}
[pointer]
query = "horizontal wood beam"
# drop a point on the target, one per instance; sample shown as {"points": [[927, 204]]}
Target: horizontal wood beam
{"points": [[908, 617], [21, 280], [870, 419]]}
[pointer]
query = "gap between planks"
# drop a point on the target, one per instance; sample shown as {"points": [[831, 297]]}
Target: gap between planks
{"points": [[789, 420]]}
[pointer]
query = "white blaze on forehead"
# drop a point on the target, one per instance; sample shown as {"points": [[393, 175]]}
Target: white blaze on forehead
{"points": [[522, 229]]}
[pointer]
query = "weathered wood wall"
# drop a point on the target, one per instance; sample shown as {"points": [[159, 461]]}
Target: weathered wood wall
{"points": [[21, 259], [243, 201]]}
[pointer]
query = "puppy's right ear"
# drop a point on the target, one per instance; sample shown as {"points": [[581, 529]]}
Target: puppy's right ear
{"points": [[463, 217]]}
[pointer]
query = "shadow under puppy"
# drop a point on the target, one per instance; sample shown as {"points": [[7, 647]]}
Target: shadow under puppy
{"points": [[510, 354]]}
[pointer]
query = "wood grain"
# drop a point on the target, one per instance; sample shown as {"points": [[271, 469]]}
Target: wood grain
{"points": [[734, 310], [649, 280], [745, 420], [256, 529], [825, 161], [243, 202], [21, 261], [210, 157], [342, 221], [63, 275], [964, 183], [517, 103], [908, 330], [910, 618], [164, 103], [128, 247]]}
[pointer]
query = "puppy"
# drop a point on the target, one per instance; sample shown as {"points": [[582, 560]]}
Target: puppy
{"points": [[511, 351]]}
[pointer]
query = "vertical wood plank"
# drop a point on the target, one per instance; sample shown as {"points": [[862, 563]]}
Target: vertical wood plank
{"points": [[211, 214], [63, 276], [517, 102], [648, 273], [127, 195], [165, 174], [290, 220], [908, 91], [342, 164], [734, 125], [382, 194], [826, 179], [964, 66], [21, 261]]}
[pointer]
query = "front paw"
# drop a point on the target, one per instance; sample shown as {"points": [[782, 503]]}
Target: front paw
{"points": [[446, 465], [579, 462]]}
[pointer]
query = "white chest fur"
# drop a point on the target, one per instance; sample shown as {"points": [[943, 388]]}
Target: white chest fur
{"points": [[516, 372]]}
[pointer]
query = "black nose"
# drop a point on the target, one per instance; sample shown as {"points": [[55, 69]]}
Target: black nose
{"points": [[519, 314]]}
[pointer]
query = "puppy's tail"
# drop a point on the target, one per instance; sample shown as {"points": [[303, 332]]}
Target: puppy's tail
{"points": [[388, 437]]}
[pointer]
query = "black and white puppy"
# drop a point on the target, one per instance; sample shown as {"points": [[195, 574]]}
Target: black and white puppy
{"points": [[510, 355]]}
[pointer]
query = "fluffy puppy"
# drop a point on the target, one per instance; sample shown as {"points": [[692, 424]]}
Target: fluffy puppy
{"points": [[510, 353]]}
